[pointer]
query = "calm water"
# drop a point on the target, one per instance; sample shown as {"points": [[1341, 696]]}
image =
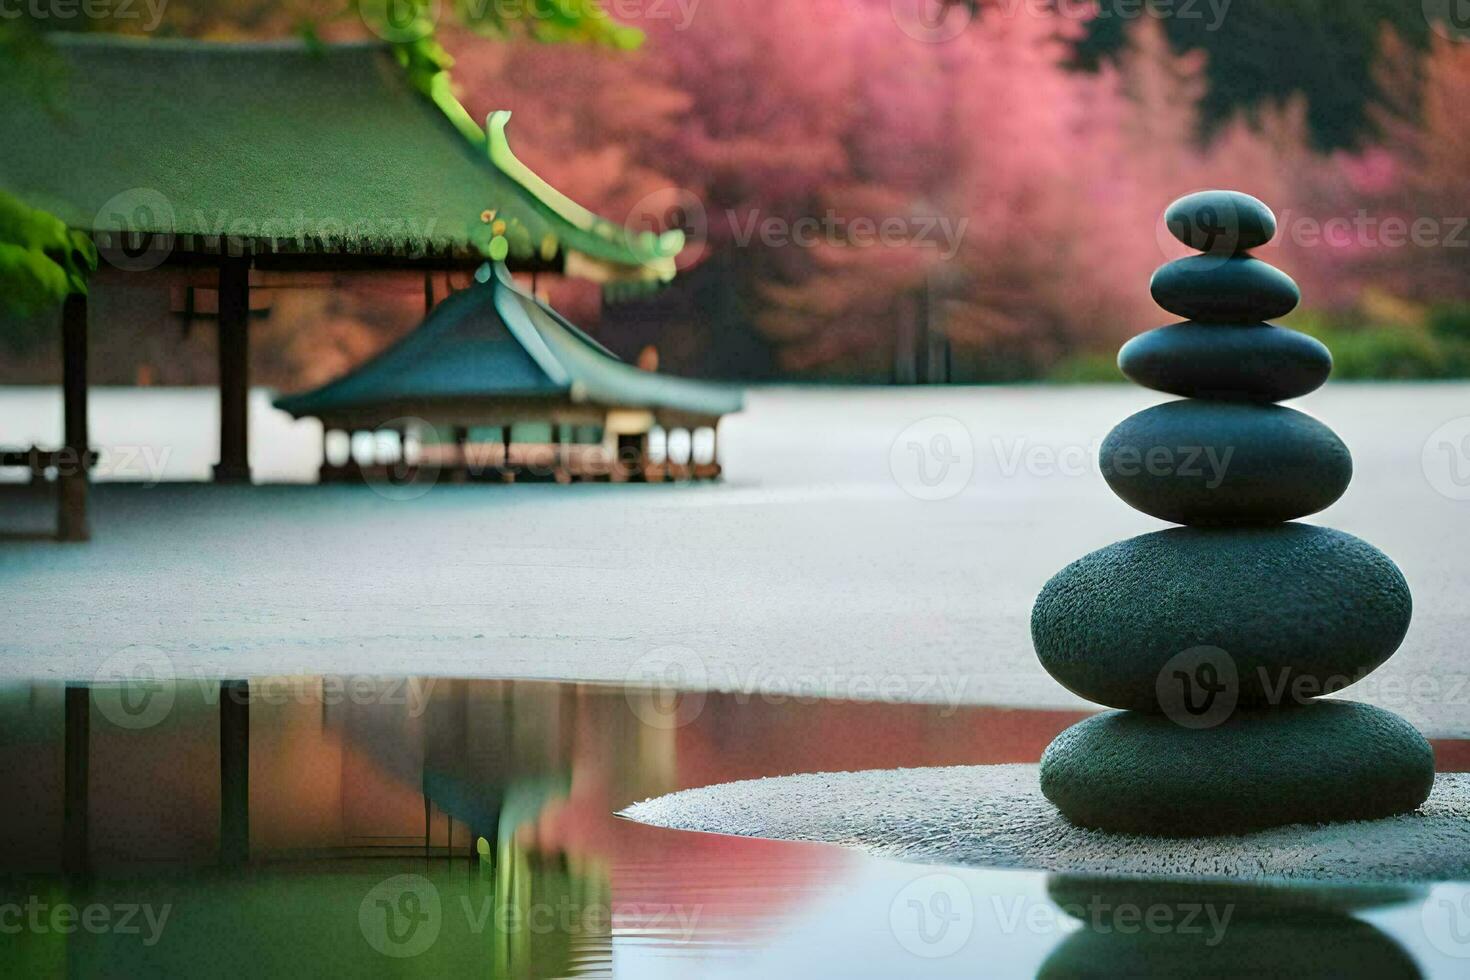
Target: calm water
{"points": [[295, 826]]}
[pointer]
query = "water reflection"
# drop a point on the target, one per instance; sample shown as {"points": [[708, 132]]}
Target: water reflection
{"points": [[1143, 928], [412, 826]]}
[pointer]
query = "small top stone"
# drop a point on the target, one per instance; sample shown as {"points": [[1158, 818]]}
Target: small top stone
{"points": [[1220, 222]]}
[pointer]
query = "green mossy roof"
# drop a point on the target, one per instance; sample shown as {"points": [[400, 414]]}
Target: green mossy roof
{"points": [[316, 148], [494, 342]]}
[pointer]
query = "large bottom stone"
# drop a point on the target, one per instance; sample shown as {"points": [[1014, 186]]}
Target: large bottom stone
{"points": [[1293, 612], [1127, 772]]}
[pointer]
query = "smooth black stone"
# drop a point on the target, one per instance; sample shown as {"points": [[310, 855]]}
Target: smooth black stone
{"points": [[1219, 289], [1218, 462], [1326, 761], [1220, 222], [1301, 610], [1247, 362]]}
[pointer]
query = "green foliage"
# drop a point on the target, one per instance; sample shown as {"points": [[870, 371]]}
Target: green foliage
{"points": [[549, 21], [1085, 368], [1450, 322], [42, 261], [1437, 349], [1367, 352]]}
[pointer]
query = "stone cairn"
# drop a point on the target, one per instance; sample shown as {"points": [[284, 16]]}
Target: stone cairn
{"points": [[1216, 638]]}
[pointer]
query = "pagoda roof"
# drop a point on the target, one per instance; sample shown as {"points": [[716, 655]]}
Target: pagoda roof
{"points": [[297, 147], [493, 343]]}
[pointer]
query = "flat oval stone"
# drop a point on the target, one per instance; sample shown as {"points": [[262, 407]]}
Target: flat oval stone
{"points": [[1220, 222], [1219, 289], [1245, 362], [1216, 462], [1297, 611], [1322, 762]]}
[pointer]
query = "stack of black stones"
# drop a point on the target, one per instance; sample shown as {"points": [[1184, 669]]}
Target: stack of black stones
{"points": [[1217, 638]]}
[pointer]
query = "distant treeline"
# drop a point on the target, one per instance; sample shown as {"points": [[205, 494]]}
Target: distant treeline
{"points": [[1272, 49]]}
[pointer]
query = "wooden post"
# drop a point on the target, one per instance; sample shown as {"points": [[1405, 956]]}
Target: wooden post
{"points": [[234, 772], [71, 473], [76, 798], [234, 372]]}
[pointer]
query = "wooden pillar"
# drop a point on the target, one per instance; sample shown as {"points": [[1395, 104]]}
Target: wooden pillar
{"points": [[633, 456], [234, 772], [234, 372], [71, 474], [76, 797], [559, 440]]}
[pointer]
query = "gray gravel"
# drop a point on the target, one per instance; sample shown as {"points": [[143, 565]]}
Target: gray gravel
{"points": [[812, 569], [996, 817]]}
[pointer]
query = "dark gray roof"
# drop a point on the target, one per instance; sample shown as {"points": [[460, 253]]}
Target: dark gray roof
{"points": [[493, 342]]}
